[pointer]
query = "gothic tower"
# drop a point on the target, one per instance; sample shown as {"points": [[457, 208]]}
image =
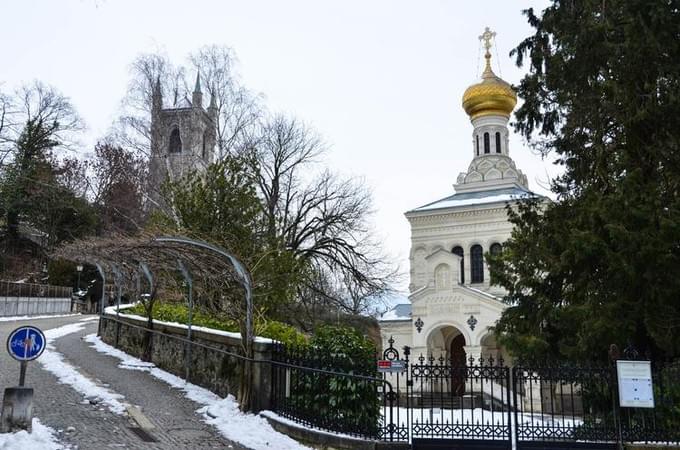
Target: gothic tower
{"points": [[182, 138]]}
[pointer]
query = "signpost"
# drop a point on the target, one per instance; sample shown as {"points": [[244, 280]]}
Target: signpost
{"points": [[24, 344], [635, 384]]}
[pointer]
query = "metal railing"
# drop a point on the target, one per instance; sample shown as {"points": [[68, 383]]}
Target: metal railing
{"points": [[333, 393], [290, 373], [13, 289], [476, 400]]}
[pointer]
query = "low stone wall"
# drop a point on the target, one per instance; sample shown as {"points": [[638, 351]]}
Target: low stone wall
{"points": [[209, 368], [328, 441], [30, 306]]}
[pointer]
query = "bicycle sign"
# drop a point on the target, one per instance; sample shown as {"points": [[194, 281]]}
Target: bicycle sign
{"points": [[26, 343]]}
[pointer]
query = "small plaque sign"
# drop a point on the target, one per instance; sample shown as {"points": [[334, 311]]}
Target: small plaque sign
{"points": [[387, 366], [635, 384]]}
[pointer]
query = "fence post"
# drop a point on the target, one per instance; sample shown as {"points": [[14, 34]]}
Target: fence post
{"points": [[512, 410], [118, 282], [101, 300]]}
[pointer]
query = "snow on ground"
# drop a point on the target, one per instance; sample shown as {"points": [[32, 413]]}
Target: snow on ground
{"points": [[15, 318], [53, 362], [40, 438], [111, 310], [475, 416], [247, 429]]}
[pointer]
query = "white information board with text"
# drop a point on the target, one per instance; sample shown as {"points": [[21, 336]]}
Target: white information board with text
{"points": [[635, 384]]}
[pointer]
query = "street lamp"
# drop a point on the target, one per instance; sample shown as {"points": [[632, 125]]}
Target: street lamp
{"points": [[79, 268]]}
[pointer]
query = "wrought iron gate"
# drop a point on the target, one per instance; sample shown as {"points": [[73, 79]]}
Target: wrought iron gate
{"points": [[458, 404]]}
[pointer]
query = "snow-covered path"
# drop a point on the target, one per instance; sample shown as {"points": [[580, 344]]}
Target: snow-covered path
{"points": [[250, 430], [84, 397]]}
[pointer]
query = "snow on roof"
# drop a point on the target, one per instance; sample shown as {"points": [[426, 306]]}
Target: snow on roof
{"points": [[399, 312], [479, 198]]}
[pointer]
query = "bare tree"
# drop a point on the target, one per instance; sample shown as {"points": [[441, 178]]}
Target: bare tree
{"points": [[6, 110], [133, 129], [322, 219], [43, 105], [118, 187], [238, 109], [71, 173], [41, 123]]}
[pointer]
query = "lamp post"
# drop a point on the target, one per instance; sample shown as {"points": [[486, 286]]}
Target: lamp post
{"points": [[79, 268]]}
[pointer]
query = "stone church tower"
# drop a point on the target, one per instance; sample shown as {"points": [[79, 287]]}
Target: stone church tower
{"points": [[182, 138]]}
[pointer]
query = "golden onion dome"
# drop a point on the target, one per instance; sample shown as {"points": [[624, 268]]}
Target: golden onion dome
{"points": [[490, 97]]}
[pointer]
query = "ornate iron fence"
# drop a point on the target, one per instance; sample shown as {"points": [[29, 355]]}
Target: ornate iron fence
{"points": [[328, 392], [432, 402], [557, 403]]}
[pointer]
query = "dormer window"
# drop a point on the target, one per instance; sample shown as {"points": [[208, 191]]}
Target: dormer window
{"points": [[175, 143]]}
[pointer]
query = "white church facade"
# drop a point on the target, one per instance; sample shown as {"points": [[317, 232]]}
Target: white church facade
{"points": [[453, 303]]}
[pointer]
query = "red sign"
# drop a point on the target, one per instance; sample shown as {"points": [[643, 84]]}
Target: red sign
{"points": [[385, 365]]}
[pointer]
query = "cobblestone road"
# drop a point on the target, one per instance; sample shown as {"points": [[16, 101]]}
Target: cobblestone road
{"points": [[177, 426]]}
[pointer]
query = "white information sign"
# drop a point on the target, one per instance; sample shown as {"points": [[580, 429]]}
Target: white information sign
{"points": [[635, 384]]}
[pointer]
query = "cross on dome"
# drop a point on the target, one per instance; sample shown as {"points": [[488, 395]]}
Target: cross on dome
{"points": [[487, 36]]}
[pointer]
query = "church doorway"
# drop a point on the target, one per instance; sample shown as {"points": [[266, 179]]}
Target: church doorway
{"points": [[457, 358], [448, 342]]}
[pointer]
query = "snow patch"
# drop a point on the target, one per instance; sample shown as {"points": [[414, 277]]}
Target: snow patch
{"points": [[247, 429], [111, 310], [40, 438], [15, 318], [53, 362]]}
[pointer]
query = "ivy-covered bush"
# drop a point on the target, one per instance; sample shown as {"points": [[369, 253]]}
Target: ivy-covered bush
{"points": [[336, 402], [179, 313]]}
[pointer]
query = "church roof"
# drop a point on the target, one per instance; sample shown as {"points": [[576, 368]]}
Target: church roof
{"points": [[399, 312], [479, 198]]}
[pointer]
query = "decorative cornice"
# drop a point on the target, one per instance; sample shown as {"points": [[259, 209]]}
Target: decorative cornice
{"points": [[430, 217]]}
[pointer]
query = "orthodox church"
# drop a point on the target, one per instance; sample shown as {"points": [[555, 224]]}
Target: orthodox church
{"points": [[453, 302]]}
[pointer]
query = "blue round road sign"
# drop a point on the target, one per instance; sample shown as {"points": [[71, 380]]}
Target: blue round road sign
{"points": [[26, 343]]}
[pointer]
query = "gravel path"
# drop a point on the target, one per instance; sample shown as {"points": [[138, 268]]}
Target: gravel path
{"points": [[177, 426]]}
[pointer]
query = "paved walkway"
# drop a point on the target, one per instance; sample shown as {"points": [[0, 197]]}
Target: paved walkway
{"points": [[177, 426]]}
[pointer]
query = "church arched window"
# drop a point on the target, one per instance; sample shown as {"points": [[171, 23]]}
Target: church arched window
{"points": [[204, 152], [458, 250], [477, 264], [477, 137], [495, 249], [487, 144], [498, 142], [175, 144]]}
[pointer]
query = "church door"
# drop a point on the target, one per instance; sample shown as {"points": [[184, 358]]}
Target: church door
{"points": [[458, 369]]}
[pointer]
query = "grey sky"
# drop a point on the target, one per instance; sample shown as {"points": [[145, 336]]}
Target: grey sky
{"points": [[382, 81]]}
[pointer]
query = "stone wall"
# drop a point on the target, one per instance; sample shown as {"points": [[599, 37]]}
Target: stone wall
{"points": [[209, 368]]}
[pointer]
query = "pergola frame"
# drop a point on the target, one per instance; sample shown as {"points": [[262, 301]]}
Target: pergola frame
{"points": [[158, 255]]}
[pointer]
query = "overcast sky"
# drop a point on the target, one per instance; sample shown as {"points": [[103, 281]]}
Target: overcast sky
{"points": [[381, 81]]}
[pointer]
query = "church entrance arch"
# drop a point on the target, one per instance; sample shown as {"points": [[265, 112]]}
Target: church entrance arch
{"points": [[448, 342]]}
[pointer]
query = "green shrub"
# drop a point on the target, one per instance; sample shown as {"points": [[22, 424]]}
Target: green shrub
{"points": [[284, 333], [339, 403], [179, 313]]}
